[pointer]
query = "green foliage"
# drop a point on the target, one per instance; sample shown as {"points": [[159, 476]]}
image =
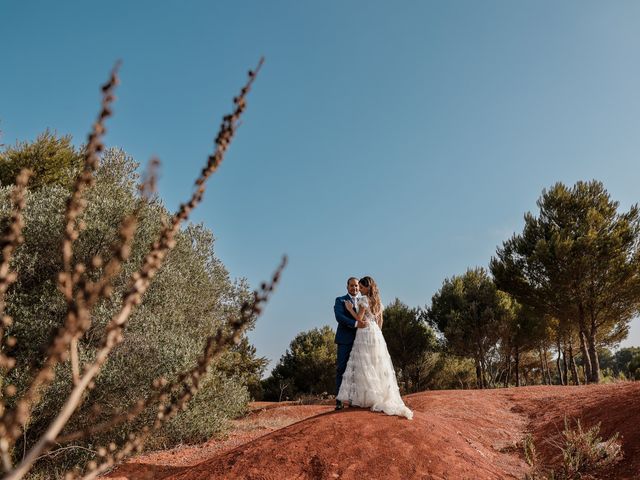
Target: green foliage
{"points": [[521, 330], [219, 399], [409, 339], [307, 367], [468, 310], [242, 364], [441, 370], [53, 161], [606, 359], [626, 363], [190, 296]]}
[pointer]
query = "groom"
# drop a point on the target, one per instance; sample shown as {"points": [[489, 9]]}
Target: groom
{"points": [[346, 331]]}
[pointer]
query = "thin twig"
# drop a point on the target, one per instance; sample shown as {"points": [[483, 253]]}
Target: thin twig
{"points": [[12, 236], [90, 292], [14, 421], [188, 382], [9, 242], [138, 286], [75, 207], [215, 346], [58, 451]]}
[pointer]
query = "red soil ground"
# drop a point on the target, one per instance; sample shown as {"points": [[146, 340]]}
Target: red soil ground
{"points": [[462, 434]]}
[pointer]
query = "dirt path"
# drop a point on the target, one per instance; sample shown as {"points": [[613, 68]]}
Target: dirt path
{"points": [[461, 434]]}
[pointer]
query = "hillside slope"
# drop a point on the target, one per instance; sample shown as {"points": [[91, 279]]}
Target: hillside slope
{"points": [[458, 435]]}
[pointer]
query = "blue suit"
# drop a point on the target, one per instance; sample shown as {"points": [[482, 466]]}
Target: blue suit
{"points": [[345, 335]]}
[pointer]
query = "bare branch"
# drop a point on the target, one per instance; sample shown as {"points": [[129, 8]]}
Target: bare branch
{"points": [[138, 286], [187, 383], [215, 345], [76, 203], [14, 421], [12, 236], [9, 242]]}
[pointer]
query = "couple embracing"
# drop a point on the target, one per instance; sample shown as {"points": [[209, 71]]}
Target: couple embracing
{"points": [[364, 373]]}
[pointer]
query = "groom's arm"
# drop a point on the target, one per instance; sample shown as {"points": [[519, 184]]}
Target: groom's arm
{"points": [[342, 317]]}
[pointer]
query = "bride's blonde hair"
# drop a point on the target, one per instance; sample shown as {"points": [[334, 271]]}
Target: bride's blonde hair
{"points": [[374, 297]]}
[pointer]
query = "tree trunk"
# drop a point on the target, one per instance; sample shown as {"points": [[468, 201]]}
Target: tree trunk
{"points": [[586, 360], [593, 354], [558, 361], [507, 369], [546, 362], [483, 369], [517, 359], [574, 367], [572, 362], [560, 377], [478, 374], [543, 370], [565, 366], [483, 372]]}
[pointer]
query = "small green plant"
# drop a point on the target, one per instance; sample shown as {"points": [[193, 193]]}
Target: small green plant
{"points": [[585, 454]]}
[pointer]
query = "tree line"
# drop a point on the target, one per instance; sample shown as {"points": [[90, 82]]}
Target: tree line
{"points": [[575, 273], [553, 301]]}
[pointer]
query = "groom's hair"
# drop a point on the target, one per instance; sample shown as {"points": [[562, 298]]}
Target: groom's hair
{"points": [[351, 278]]}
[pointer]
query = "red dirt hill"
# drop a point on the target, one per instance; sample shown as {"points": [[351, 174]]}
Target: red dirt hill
{"points": [[461, 434]]}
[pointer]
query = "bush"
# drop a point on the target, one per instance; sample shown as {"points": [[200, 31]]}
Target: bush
{"points": [[450, 372], [219, 399], [308, 367], [584, 454], [52, 159], [190, 297]]}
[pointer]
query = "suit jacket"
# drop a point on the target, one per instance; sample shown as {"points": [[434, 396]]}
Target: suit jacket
{"points": [[347, 325]]}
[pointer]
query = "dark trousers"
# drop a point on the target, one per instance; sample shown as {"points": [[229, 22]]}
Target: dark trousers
{"points": [[344, 350]]}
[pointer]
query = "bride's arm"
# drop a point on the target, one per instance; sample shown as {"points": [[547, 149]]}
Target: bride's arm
{"points": [[359, 316]]}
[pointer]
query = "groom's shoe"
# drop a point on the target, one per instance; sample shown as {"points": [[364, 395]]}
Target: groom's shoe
{"points": [[339, 405]]}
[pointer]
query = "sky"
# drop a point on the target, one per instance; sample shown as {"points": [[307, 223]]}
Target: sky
{"points": [[400, 140]]}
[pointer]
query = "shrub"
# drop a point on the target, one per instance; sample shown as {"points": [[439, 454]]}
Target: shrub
{"points": [[220, 398], [450, 372], [88, 285], [584, 454], [190, 297], [307, 367], [51, 159]]}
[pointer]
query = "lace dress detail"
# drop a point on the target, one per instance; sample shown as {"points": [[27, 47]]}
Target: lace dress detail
{"points": [[369, 380]]}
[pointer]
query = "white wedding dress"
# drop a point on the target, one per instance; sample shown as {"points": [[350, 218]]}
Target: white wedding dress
{"points": [[369, 380]]}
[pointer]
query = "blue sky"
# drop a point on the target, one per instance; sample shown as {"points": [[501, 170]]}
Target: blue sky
{"points": [[402, 140]]}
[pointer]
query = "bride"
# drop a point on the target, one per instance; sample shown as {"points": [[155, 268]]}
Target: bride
{"points": [[369, 380]]}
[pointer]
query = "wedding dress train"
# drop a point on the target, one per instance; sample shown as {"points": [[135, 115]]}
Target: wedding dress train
{"points": [[369, 380]]}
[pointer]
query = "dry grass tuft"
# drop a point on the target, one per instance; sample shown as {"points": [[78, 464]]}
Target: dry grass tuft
{"points": [[584, 454]]}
